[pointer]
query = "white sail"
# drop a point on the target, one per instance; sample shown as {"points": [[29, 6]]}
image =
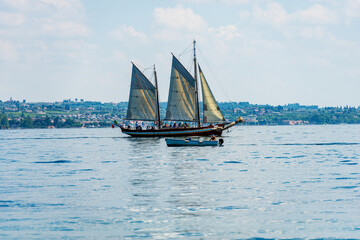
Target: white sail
{"points": [[211, 110], [142, 99], [181, 102]]}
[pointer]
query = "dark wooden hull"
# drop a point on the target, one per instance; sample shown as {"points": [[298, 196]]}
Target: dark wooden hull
{"points": [[179, 132], [173, 132]]}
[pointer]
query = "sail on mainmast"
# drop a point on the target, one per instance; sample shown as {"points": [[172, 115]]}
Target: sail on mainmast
{"points": [[142, 99], [211, 110], [181, 101]]}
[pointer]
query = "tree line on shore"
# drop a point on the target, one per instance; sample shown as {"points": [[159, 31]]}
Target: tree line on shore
{"points": [[321, 116], [28, 122]]}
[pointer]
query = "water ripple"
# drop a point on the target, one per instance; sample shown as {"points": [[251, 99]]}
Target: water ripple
{"points": [[232, 162], [56, 161]]}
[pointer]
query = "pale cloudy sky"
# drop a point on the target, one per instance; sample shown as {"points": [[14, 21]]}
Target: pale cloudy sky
{"points": [[261, 51]]}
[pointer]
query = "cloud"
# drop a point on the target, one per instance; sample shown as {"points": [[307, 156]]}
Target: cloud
{"points": [[63, 3], [73, 45], [179, 18], [319, 61], [63, 28], [309, 23], [244, 15], [44, 32], [228, 32], [168, 35], [273, 14], [195, 1], [119, 56], [313, 32], [65, 7], [19, 4], [316, 14], [352, 9], [8, 51], [11, 19], [125, 32], [61, 18], [235, 1], [178, 24]]}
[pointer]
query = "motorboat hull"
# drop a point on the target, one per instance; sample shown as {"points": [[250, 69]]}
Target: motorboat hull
{"points": [[193, 143]]}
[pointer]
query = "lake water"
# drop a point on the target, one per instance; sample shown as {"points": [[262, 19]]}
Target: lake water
{"points": [[266, 182]]}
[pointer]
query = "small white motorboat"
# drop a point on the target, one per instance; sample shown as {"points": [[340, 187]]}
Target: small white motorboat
{"points": [[192, 142]]}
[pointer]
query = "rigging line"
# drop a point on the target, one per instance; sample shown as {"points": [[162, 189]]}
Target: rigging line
{"points": [[152, 75], [152, 67], [148, 68], [142, 67], [214, 76], [186, 50], [139, 67], [190, 64], [144, 70]]}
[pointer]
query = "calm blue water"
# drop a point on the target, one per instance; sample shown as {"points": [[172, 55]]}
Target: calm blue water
{"points": [[266, 182]]}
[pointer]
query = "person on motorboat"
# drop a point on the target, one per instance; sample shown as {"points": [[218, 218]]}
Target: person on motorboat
{"points": [[213, 138]]}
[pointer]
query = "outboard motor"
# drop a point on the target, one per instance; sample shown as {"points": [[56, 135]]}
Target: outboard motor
{"points": [[221, 142]]}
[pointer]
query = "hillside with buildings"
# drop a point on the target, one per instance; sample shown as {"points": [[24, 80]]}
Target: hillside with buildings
{"points": [[80, 113]]}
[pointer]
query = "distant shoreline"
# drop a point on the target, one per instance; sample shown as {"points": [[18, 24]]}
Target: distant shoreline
{"points": [[243, 124], [76, 114]]}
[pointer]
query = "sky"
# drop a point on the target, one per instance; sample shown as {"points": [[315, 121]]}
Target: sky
{"points": [[259, 51]]}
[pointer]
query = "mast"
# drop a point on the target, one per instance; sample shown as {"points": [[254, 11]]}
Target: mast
{"points": [[196, 88], [157, 99]]}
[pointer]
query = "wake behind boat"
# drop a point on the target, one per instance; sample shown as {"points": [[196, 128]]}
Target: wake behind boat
{"points": [[182, 108]]}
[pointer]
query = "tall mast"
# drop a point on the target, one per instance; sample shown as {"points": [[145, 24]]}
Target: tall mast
{"points": [[157, 99], [196, 88]]}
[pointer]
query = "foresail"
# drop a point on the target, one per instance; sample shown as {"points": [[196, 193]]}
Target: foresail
{"points": [[181, 101], [142, 99], [211, 110]]}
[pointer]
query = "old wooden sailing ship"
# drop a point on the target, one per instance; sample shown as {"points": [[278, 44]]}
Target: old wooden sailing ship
{"points": [[183, 105]]}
